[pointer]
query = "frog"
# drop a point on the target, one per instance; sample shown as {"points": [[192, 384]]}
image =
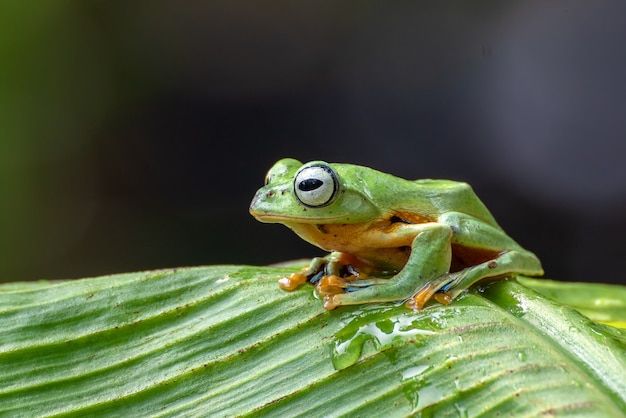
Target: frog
{"points": [[388, 239]]}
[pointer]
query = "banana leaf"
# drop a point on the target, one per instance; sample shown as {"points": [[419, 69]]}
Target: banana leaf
{"points": [[225, 341]]}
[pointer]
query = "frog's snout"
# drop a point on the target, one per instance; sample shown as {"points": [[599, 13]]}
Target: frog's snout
{"points": [[269, 202], [261, 202], [255, 203]]}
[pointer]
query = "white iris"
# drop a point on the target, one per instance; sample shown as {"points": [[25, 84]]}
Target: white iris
{"points": [[315, 185]]}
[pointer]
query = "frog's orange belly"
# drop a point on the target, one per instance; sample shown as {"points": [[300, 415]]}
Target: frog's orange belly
{"points": [[361, 240]]}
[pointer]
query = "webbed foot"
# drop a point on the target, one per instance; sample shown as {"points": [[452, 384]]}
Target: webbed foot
{"points": [[329, 274], [419, 300]]}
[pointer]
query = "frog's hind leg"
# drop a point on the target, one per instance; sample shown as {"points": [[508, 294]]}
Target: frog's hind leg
{"points": [[453, 284], [472, 233], [508, 263]]}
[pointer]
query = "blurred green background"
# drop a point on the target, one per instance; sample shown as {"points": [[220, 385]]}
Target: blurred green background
{"points": [[134, 133]]}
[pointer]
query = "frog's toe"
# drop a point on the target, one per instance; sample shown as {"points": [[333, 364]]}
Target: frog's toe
{"points": [[331, 302], [332, 285], [419, 299], [292, 281]]}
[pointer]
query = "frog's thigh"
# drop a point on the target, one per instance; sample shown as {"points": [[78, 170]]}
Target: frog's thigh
{"points": [[474, 233], [430, 258]]}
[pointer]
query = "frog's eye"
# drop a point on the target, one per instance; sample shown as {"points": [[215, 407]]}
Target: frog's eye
{"points": [[316, 185]]}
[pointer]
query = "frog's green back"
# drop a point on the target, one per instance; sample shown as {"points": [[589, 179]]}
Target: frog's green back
{"points": [[429, 197]]}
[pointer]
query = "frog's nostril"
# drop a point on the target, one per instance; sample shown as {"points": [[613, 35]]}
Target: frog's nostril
{"points": [[270, 193]]}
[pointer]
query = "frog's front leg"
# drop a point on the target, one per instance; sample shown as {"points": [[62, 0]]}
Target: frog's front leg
{"points": [[430, 259], [332, 266]]}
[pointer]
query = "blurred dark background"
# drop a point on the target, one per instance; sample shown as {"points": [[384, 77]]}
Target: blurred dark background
{"points": [[134, 133]]}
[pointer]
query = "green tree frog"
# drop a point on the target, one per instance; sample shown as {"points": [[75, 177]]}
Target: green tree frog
{"points": [[389, 239]]}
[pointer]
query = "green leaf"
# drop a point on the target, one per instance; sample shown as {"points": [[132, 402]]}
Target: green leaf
{"points": [[601, 302], [226, 341]]}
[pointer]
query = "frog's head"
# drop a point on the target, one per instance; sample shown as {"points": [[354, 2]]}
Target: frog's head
{"points": [[315, 192]]}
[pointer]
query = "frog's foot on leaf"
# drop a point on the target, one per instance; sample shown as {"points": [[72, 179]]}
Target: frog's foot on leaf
{"points": [[327, 273], [334, 285], [419, 300], [318, 268], [331, 286], [439, 289]]}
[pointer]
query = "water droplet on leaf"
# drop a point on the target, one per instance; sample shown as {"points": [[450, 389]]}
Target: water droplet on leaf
{"points": [[382, 327]]}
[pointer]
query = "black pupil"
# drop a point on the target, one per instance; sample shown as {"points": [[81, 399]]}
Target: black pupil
{"points": [[310, 184]]}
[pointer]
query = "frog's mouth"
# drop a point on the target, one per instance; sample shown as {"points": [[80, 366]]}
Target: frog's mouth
{"points": [[287, 220]]}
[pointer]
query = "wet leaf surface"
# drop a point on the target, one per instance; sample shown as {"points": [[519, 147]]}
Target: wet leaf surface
{"points": [[226, 341]]}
